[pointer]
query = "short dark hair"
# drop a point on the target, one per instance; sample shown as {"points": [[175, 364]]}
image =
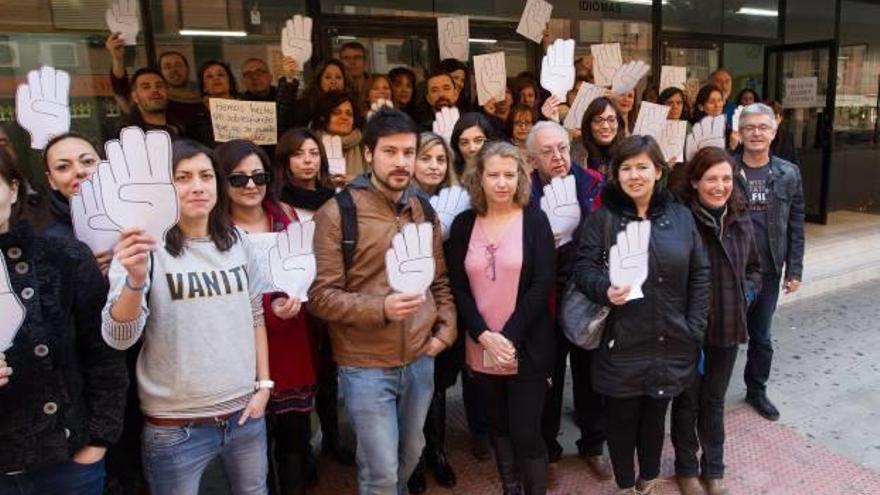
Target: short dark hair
{"points": [[387, 122], [327, 102], [11, 174], [634, 146], [465, 122], [231, 153], [402, 72], [173, 53], [696, 168], [233, 87], [438, 73], [143, 71], [450, 65], [220, 228], [353, 45], [743, 91], [68, 135], [289, 143], [671, 91]]}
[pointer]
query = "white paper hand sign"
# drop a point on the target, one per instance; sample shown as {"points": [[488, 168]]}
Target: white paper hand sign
{"points": [[122, 17], [560, 203], [586, 94], [453, 34], [606, 60], [410, 259], [42, 106], [672, 76], [90, 222], [136, 182], [377, 105], [292, 260], [448, 203], [628, 259], [627, 76], [672, 140], [444, 123], [335, 157], [10, 307], [651, 120], [491, 74], [534, 19], [296, 39], [557, 68], [705, 133], [734, 122]]}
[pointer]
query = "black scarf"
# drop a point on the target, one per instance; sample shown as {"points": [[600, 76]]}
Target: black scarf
{"points": [[305, 198]]}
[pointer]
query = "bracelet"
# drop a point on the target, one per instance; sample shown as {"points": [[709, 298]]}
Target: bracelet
{"points": [[134, 289], [264, 384]]}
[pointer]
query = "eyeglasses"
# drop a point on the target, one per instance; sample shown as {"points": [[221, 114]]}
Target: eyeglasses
{"points": [[491, 249], [562, 149], [241, 180], [763, 128], [598, 121]]}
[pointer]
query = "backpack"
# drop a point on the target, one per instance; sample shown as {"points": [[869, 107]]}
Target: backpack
{"points": [[348, 217]]}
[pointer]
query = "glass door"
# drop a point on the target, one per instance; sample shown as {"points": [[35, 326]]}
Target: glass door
{"points": [[802, 78]]}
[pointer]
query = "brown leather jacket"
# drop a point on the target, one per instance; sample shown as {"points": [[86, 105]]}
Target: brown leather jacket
{"points": [[354, 306]]}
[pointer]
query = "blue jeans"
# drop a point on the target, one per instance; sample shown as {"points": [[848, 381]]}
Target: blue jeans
{"points": [[387, 407], [175, 457], [67, 478], [759, 320]]}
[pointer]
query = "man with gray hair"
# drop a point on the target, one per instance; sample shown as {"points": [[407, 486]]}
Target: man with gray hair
{"points": [[549, 151], [776, 203]]}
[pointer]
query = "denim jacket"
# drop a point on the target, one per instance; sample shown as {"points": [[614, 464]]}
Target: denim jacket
{"points": [[785, 215]]}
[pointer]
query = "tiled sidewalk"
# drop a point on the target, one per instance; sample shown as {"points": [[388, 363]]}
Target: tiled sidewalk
{"points": [[762, 458]]}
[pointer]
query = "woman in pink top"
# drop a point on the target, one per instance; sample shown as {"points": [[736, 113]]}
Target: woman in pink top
{"points": [[501, 265]]}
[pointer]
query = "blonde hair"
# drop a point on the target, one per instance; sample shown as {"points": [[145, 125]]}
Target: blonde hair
{"points": [[428, 140], [473, 179]]}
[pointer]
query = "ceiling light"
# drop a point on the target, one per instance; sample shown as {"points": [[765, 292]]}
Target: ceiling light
{"points": [[758, 12], [203, 32]]}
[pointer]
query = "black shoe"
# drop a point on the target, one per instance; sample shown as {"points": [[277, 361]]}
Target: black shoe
{"points": [[342, 454], [440, 468], [763, 405], [417, 482]]}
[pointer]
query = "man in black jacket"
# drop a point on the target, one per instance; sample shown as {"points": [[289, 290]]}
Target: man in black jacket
{"points": [[776, 204]]}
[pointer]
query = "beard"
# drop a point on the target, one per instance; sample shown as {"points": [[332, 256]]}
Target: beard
{"points": [[442, 102], [385, 181]]}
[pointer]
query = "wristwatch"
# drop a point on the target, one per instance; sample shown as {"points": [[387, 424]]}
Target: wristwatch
{"points": [[264, 384]]}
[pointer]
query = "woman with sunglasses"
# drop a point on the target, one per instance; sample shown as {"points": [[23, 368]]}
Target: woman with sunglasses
{"points": [[291, 365], [502, 258], [197, 302]]}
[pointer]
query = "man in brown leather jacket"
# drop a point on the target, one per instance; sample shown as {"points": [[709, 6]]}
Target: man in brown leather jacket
{"points": [[384, 341]]}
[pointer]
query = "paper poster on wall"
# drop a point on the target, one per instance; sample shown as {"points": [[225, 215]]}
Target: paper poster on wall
{"points": [[491, 74], [672, 76], [252, 120], [800, 92]]}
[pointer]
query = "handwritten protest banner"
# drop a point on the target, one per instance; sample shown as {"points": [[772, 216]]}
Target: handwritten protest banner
{"points": [[253, 120]]}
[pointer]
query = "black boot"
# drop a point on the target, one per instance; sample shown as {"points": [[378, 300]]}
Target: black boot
{"points": [[534, 476], [506, 462], [435, 441], [417, 483]]}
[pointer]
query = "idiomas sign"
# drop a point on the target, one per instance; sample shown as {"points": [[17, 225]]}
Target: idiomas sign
{"points": [[597, 6], [603, 8]]}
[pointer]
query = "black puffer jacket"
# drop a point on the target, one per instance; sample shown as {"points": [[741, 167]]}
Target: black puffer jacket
{"points": [[68, 389], [651, 345]]}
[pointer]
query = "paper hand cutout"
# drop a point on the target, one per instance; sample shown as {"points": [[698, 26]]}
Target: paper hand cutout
{"points": [[628, 259], [448, 203], [705, 133], [453, 34], [335, 158], [627, 76], [606, 60], [377, 105], [410, 259], [296, 39], [90, 222], [292, 260], [651, 120], [444, 122], [560, 204], [557, 68], [10, 307], [534, 19], [672, 142], [586, 94], [491, 74], [122, 17], [42, 106], [734, 122], [136, 182]]}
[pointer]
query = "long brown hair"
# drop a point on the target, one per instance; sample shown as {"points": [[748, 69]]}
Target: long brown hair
{"points": [[473, 181], [289, 143], [10, 174], [595, 109], [695, 169], [220, 228]]}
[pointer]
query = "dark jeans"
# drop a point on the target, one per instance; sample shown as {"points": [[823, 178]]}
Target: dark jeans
{"points": [[514, 404], [588, 405], [289, 450], [68, 478], [635, 424], [698, 417], [327, 395], [474, 399], [760, 317]]}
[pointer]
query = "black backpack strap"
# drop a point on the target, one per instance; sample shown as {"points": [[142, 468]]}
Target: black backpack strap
{"points": [[348, 217], [428, 212]]}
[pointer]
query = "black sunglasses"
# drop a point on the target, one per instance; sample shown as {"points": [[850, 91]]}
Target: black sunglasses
{"points": [[241, 180]]}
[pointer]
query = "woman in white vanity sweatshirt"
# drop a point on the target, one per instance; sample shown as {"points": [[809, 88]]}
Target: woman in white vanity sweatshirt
{"points": [[203, 371]]}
